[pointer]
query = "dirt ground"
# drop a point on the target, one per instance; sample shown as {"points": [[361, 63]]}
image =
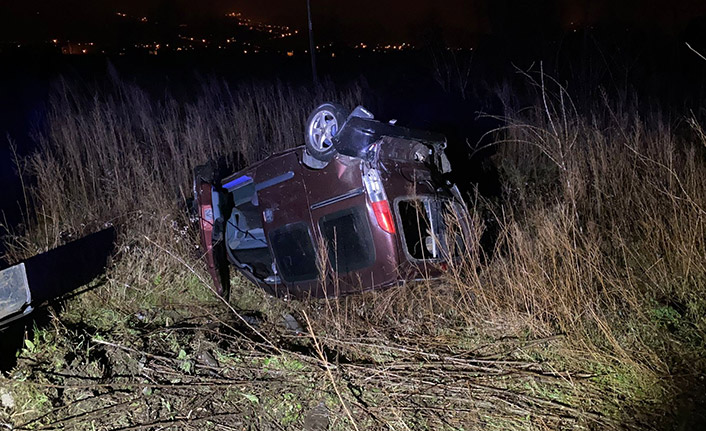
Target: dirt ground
{"points": [[261, 363]]}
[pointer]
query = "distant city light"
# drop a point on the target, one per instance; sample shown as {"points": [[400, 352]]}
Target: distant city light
{"points": [[241, 28]]}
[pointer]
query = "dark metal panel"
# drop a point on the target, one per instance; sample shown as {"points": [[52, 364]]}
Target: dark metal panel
{"points": [[57, 272]]}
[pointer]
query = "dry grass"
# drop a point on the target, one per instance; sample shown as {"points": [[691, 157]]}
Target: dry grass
{"points": [[584, 314], [600, 242], [118, 156]]}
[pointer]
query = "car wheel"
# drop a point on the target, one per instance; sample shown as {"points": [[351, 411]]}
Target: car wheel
{"points": [[322, 125]]}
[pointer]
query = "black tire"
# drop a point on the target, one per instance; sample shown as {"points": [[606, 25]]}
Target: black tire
{"points": [[323, 124]]}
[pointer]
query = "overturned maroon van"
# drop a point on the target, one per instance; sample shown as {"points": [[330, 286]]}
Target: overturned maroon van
{"points": [[362, 205]]}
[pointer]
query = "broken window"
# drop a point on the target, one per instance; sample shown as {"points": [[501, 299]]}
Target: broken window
{"points": [[425, 228], [423, 225]]}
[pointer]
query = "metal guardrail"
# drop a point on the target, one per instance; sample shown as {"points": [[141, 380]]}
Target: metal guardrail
{"points": [[50, 275]]}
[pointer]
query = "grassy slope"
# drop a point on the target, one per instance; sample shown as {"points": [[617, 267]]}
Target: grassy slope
{"points": [[588, 311]]}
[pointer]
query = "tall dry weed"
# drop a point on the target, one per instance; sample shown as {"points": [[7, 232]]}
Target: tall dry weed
{"points": [[118, 155], [599, 238], [602, 225]]}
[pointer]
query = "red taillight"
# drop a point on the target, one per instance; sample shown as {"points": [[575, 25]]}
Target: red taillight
{"points": [[378, 199], [383, 215]]}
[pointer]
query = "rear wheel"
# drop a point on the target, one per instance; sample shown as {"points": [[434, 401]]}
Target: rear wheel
{"points": [[322, 125]]}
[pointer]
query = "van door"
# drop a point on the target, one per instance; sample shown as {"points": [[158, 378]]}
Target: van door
{"points": [[358, 254], [287, 224]]}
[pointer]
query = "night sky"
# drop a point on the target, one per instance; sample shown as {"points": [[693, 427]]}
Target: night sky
{"points": [[348, 21]]}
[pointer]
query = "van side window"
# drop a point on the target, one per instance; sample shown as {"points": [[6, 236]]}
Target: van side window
{"points": [[348, 239], [294, 252]]}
